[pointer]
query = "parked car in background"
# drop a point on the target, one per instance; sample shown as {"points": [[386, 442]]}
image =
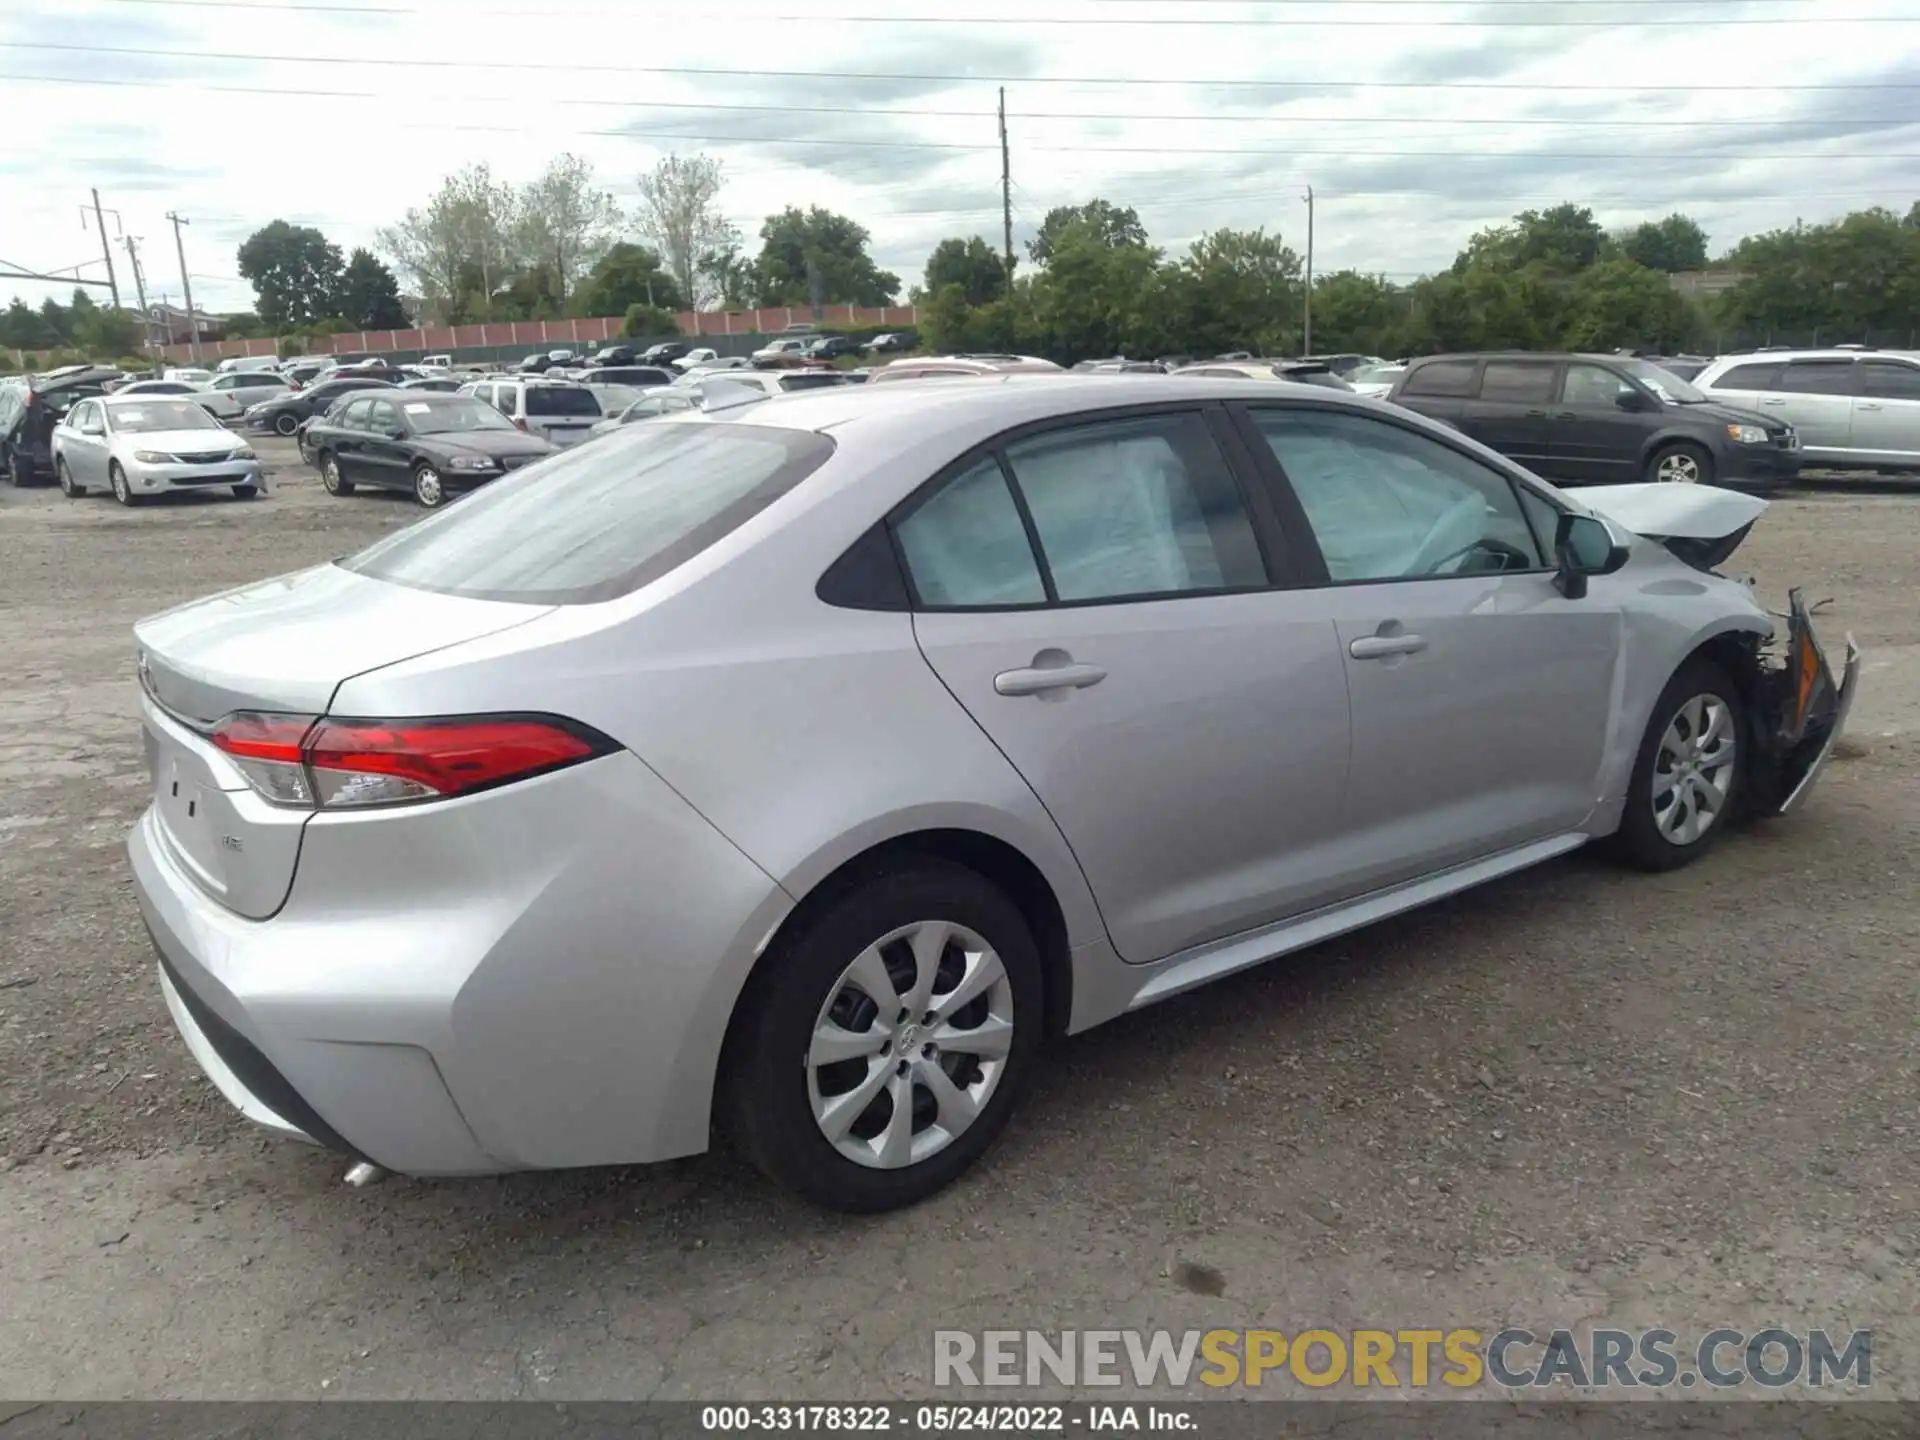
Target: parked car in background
{"points": [[439, 384], [650, 405], [859, 375], [893, 341], [1344, 365], [436, 362], [432, 446], [781, 351], [557, 411], [249, 387], [1376, 381], [284, 414], [1120, 366], [730, 385], [562, 356], [665, 352], [192, 374], [31, 406], [698, 356], [305, 372], [709, 367], [535, 364], [615, 355], [1600, 419], [929, 367], [875, 746], [138, 446], [1857, 410], [218, 403], [1297, 372], [641, 375], [832, 347], [1687, 367]]}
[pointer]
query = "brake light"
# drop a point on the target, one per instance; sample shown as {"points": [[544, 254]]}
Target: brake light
{"points": [[338, 764]]}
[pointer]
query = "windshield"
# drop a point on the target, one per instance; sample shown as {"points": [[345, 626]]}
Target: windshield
{"points": [[444, 417], [1664, 383], [1377, 374], [599, 520], [158, 414]]}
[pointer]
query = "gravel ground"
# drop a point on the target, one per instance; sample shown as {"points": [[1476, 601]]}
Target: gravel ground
{"points": [[1576, 1097]]}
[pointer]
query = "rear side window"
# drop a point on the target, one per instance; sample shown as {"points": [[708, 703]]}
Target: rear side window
{"points": [[1750, 377], [1516, 380], [600, 520], [966, 545], [1442, 377], [560, 400], [1817, 377]]}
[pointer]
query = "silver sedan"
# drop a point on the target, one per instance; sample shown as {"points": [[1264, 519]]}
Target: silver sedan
{"points": [[142, 445], [815, 761]]}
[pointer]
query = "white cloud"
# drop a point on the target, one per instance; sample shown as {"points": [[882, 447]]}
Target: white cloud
{"points": [[349, 128]]}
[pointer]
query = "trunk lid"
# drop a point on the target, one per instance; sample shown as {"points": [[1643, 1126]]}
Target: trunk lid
{"points": [[282, 646]]}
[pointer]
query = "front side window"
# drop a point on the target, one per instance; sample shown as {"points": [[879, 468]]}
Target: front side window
{"points": [[1387, 504], [355, 416], [1136, 507], [1593, 385], [966, 546], [1889, 380], [601, 520], [1817, 377], [382, 417], [1750, 377]]}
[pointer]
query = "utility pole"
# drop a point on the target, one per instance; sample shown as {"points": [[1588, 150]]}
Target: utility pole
{"points": [[132, 243], [186, 286], [106, 249], [1306, 347], [1006, 190]]}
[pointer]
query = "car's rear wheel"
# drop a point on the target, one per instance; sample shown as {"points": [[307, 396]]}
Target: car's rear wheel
{"points": [[1687, 775], [912, 1004], [65, 475], [19, 470], [122, 491], [331, 478], [1681, 464], [428, 489], [286, 423]]}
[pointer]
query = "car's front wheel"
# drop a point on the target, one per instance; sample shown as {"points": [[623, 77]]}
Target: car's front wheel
{"points": [[122, 491], [65, 475], [286, 423], [428, 489], [1681, 464], [330, 477], [883, 1045], [1687, 774]]}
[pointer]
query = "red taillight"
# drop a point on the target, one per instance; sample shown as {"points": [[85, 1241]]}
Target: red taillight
{"points": [[296, 760]]}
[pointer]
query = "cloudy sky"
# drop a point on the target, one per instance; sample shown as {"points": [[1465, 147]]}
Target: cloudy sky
{"points": [[1415, 121]]}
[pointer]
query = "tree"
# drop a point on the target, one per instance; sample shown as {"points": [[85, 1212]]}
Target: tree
{"points": [[1108, 224], [679, 212], [724, 279], [816, 257], [972, 265], [1619, 303], [625, 276], [1673, 244], [1562, 241], [458, 247], [102, 333], [1367, 313], [1096, 299], [295, 271], [369, 297], [21, 328], [645, 322], [1239, 290], [562, 221]]}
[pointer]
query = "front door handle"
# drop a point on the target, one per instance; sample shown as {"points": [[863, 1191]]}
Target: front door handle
{"points": [[1867, 407], [1773, 403], [1052, 670], [1380, 647]]}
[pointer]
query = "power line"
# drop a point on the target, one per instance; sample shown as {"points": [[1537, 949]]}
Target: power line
{"points": [[1290, 152], [1229, 117], [466, 13], [704, 71]]}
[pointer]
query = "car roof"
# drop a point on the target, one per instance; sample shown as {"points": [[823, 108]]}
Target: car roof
{"points": [[141, 397], [1771, 357]]}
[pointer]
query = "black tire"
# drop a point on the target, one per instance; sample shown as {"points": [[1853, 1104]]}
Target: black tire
{"points": [[19, 470], [765, 1093], [285, 423], [65, 476], [330, 477], [1640, 841], [121, 490], [246, 492], [1678, 457], [429, 488]]}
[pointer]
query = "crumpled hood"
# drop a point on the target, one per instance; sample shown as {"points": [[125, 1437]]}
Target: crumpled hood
{"points": [[1701, 524]]}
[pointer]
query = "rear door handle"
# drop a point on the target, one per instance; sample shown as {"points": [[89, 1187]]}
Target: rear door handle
{"points": [[1867, 407], [1773, 402], [1379, 647], [1536, 414], [1039, 679]]}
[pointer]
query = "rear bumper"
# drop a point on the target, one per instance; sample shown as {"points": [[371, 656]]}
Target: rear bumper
{"points": [[533, 977]]}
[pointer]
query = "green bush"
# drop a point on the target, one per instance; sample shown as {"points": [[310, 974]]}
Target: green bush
{"points": [[648, 321]]}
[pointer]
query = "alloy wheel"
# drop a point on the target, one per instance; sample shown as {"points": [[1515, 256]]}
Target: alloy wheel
{"points": [[120, 490], [285, 424], [910, 1045], [330, 475], [1693, 769], [1678, 468], [427, 488]]}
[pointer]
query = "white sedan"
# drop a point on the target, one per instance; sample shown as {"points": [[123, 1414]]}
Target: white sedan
{"points": [[138, 446], [221, 404]]}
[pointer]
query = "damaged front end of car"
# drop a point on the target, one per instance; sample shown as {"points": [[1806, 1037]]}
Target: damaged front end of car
{"points": [[1799, 711]]}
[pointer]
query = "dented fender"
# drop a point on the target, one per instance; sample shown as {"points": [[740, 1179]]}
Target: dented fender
{"points": [[1799, 712]]}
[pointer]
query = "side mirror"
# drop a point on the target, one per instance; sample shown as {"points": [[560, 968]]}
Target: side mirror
{"points": [[1583, 546], [394, 432], [1634, 400]]}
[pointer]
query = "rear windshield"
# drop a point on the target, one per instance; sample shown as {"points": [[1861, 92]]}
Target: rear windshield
{"points": [[600, 520], [560, 400]]}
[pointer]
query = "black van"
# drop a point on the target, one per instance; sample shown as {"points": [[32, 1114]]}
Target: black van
{"points": [[31, 405], [1599, 420]]}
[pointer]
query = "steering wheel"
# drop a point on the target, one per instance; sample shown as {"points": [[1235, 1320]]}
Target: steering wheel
{"points": [[1487, 545]]}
